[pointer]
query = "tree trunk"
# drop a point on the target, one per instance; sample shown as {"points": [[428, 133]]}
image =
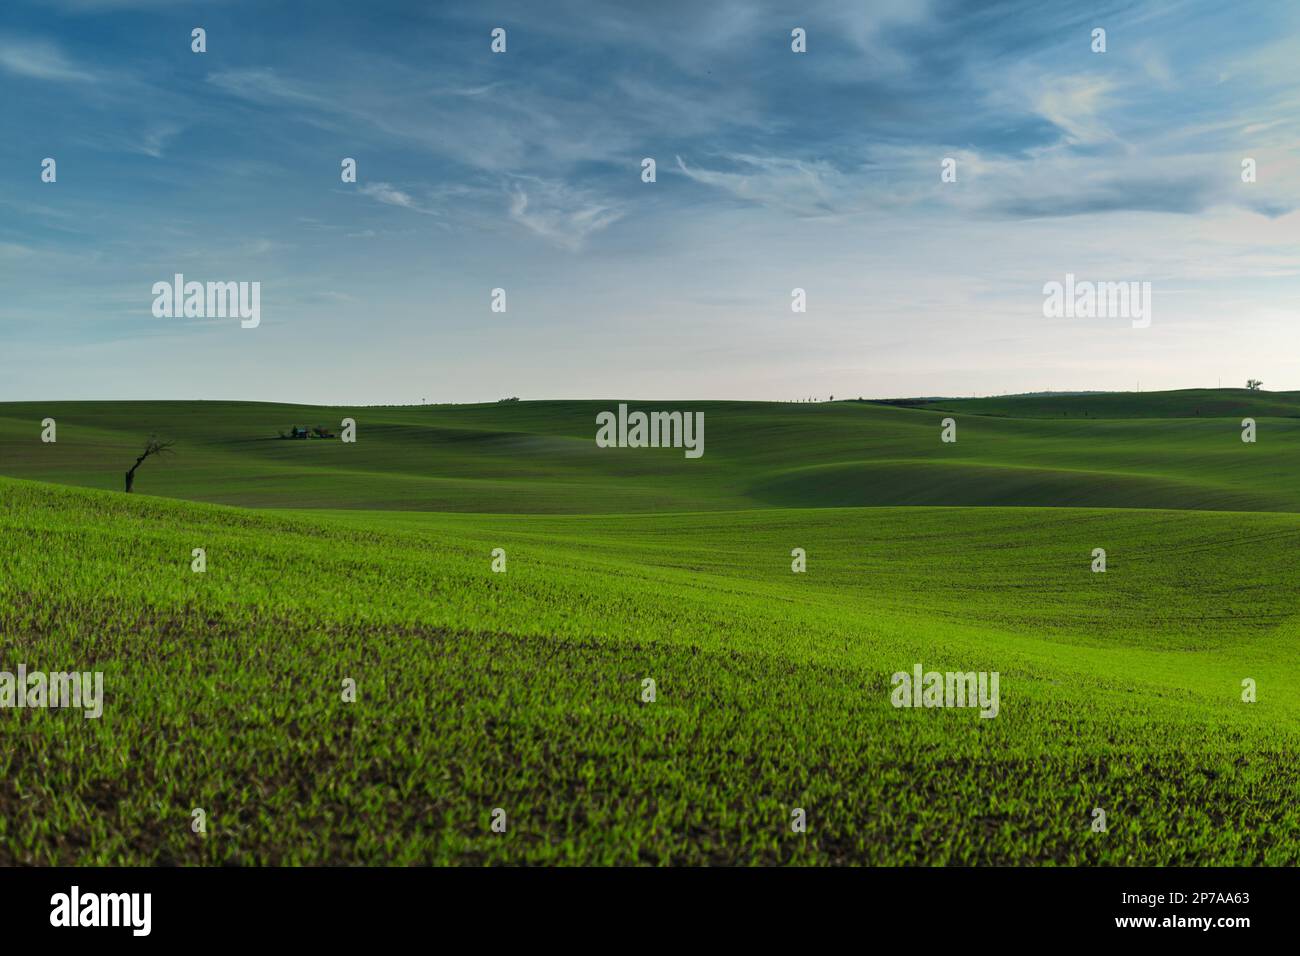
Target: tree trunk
{"points": [[130, 480]]}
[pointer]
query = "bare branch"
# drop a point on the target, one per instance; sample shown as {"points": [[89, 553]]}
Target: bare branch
{"points": [[152, 447]]}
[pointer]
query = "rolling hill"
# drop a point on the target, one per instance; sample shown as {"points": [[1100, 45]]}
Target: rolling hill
{"points": [[1181, 403], [540, 457], [521, 688]]}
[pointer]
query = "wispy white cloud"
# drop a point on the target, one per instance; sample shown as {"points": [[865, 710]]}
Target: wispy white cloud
{"points": [[810, 188], [558, 213], [41, 60], [258, 247], [1076, 105], [155, 139], [390, 195], [266, 86]]}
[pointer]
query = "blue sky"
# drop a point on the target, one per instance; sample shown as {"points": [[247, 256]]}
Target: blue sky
{"points": [[521, 171]]}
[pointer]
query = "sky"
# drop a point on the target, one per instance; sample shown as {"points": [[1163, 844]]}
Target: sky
{"points": [[522, 171]]}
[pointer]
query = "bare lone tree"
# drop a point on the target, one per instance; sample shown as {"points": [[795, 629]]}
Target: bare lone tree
{"points": [[1253, 384], [152, 447]]}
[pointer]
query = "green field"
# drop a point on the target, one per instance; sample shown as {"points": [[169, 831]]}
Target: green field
{"points": [[541, 458], [523, 690]]}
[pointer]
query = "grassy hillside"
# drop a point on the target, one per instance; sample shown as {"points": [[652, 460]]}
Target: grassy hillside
{"points": [[522, 690], [540, 457], [1235, 403]]}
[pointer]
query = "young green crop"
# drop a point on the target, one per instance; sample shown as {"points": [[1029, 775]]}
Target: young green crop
{"points": [[522, 690]]}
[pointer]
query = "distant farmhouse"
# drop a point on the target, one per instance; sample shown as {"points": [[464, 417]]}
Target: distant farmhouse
{"points": [[316, 431]]}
